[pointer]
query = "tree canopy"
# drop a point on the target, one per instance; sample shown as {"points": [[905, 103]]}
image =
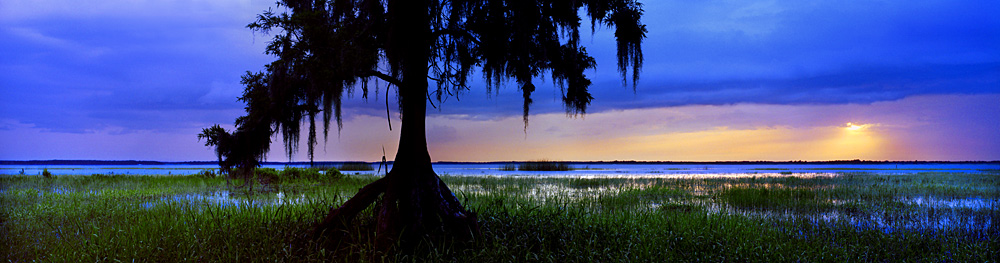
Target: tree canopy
{"points": [[326, 49]]}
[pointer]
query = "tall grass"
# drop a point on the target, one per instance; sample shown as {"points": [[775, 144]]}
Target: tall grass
{"points": [[356, 166], [508, 167], [769, 197], [543, 166], [151, 218]]}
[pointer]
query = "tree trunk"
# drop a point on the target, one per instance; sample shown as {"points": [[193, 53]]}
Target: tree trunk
{"points": [[414, 203]]}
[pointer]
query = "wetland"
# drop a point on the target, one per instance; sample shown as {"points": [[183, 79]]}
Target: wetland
{"points": [[531, 216]]}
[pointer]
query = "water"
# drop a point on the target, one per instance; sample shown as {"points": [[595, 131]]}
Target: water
{"points": [[227, 198], [934, 214], [970, 214], [673, 170], [581, 170]]}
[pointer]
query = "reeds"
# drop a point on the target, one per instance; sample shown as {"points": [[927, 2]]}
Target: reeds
{"points": [[543, 166], [508, 167], [120, 218], [356, 166]]}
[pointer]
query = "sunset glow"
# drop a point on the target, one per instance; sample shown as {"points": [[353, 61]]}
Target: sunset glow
{"points": [[500, 130], [780, 80]]}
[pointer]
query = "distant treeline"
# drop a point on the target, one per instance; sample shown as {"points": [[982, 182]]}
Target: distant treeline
{"points": [[742, 162], [134, 162]]}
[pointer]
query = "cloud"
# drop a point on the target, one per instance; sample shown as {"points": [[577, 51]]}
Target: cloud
{"points": [[926, 127], [165, 65], [136, 65], [784, 52], [20, 10]]}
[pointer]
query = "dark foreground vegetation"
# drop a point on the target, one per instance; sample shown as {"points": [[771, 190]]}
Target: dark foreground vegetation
{"points": [[827, 217]]}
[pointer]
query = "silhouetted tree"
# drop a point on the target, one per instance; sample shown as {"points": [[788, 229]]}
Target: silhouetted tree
{"points": [[247, 146], [325, 49]]}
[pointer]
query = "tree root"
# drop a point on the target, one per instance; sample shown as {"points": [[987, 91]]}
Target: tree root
{"points": [[410, 209], [339, 217]]}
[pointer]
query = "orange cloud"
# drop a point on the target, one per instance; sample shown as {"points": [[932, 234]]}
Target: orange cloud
{"points": [[918, 128]]}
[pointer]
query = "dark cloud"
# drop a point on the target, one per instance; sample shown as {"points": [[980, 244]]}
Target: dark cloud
{"points": [[790, 52], [125, 71], [170, 65]]}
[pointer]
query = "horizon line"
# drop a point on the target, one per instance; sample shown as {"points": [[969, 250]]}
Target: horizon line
{"points": [[858, 161]]}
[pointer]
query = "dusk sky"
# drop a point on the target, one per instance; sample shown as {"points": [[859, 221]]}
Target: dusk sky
{"points": [[722, 80]]}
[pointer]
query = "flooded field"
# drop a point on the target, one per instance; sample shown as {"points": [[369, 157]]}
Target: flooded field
{"points": [[919, 202], [929, 214]]}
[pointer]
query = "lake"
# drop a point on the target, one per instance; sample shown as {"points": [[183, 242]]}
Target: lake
{"points": [[583, 170]]}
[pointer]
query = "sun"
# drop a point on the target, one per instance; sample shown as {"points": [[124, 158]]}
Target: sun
{"points": [[854, 127]]}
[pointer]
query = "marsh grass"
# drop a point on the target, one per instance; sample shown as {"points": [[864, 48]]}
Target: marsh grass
{"points": [[770, 197], [543, 166], [356, 166], [508, 167], [778, 218]]}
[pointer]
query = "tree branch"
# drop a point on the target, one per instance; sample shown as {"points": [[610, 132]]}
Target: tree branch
{"points": [[457, 33], [387, 119], [386, 77], [430, 100]]}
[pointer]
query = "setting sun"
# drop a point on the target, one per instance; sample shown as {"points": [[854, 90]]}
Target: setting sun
{"points": [[855, 127]]}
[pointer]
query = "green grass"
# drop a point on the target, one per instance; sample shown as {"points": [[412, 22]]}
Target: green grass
{"points": [[745, 197], [149, 218]]}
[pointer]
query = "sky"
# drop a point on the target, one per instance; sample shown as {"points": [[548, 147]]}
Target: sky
{"points": [[722, 80]]}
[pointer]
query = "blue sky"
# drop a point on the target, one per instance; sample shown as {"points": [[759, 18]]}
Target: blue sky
{"points": [[723, 80]]}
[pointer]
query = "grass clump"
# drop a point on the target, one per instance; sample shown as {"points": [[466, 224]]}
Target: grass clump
{"points": [[333, 173], [272, 176], [46, 173], [543, 166], [356, 166], [268, 175], [508, 167], [207, 173], [594, 182], [297, 173], [770, 197]]}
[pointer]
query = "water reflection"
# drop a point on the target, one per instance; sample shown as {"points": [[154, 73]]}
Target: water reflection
{"points": [[227, 199], [927, 214], [972, 202], [929, 220]]}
